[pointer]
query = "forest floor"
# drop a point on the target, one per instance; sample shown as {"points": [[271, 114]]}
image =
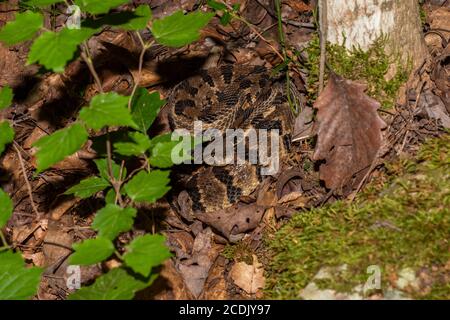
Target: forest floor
{"points": [[384, 237]]}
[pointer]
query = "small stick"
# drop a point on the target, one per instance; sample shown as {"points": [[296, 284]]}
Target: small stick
{"points": [[323, 42], [27, 183]]}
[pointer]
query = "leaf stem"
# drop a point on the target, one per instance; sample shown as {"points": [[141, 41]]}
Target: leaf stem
{"points": [[145, 47], [87, 57], [4, 243], [115, 183]]}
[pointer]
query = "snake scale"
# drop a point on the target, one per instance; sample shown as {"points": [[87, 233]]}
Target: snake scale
{"points": [[230, 97]]}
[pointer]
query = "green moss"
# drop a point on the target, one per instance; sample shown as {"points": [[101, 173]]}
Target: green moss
{"points": [[407, 224], [369, 67], [239, 252]]}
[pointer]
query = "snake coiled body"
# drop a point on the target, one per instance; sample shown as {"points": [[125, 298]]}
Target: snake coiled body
{"points": [[230, 97]]}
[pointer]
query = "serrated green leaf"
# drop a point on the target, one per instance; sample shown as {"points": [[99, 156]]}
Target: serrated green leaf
{"points": [[136, 20], [91, 251], [113, 220], [6, 97], [6, 208], [178, 29], [54, 49], [60, 144], [140, 145], [145, 108], [98, 7], [88, 187], [107, 109], [24, 27], [102, 166], [117, 284], [148, 187], [161, 156], [162, 150], [41, 3], [146, 252], [16, 281], [6, 135]]}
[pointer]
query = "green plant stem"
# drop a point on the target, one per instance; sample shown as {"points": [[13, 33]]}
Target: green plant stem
{"points": [[115, 184], [4, 243], [87, 57], [285, 56], [145, 47], [119, 183], [117, 253]]}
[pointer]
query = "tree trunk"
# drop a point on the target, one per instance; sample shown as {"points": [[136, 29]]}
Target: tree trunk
{"points": [[361, 22]]}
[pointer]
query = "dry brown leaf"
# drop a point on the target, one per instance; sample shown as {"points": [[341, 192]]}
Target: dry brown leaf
{"points": [[248, 277], [349, 132], [195, 270], [298, 6], [235, 221]]}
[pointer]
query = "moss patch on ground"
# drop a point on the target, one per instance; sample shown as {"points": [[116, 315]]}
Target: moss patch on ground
{"points": [[403, 222], [370, 67]]}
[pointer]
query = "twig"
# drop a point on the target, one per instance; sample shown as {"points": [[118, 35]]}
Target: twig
{"points": [[86, 56], [323, 42], [251, 27], [27, 183]]}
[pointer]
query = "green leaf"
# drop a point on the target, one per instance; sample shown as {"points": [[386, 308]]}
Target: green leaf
{"points": [[107, 109], [41, 3], [162, 148], [113, 220], [146, 252], [110, 197], [102, 166], [225, 19], [88, 187], [162, 154], [91, 251], [6, 135], [23, 28], [16, 281], [136, 20], [117, 284], [6, 97], [145, 107], [54, 49], [148, 187], [216, 5], [6, 208], [178, 29], [60, 144], [98, 6], [140, 145]]}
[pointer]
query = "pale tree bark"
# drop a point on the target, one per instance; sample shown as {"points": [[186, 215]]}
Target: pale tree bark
{"points": [[362, 22]]}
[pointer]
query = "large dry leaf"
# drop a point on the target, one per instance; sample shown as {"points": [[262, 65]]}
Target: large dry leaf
{"points": [[349, 132], [195, 270], [248, 277]]}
